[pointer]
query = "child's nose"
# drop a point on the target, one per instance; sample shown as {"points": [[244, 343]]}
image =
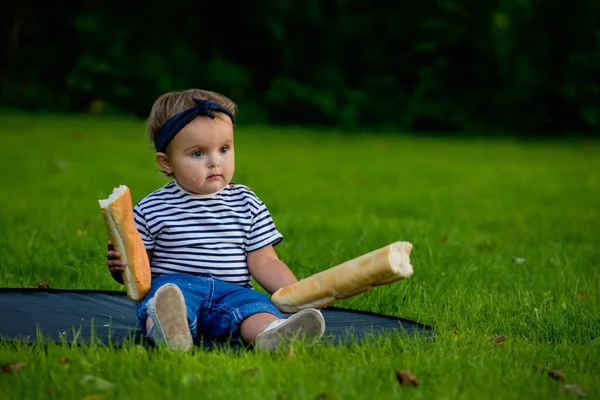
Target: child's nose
{"points": [[213, 161]]}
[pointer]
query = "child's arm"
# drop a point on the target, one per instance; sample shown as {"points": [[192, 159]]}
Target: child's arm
{"points": [[268, 270]]}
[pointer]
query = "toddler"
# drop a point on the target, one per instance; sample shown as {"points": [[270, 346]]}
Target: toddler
{"points": [[206, 237]]}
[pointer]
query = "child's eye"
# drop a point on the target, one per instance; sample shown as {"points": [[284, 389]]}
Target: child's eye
{"points": [[197, 153], [224, 149]]}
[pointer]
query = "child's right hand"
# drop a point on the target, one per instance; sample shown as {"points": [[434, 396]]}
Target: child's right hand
{"points": [[115, 265]]}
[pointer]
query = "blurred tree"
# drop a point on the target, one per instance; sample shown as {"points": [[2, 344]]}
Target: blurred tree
{"points": [[461, 67]]}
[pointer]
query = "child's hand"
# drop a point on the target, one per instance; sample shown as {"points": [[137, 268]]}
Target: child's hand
{"points": [[115, 265]]}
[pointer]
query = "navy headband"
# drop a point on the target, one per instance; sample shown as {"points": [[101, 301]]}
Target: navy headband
{"points": [[173, 125]]}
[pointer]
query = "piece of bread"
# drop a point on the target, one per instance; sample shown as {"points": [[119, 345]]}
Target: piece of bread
{"points": [[117, 211], [379, 267]]}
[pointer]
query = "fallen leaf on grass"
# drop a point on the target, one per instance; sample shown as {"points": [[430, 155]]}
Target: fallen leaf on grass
{"points": [[328, 396], [381, 144], [95, 397], [44, 284], [64, 360], [406, 378], [11, 367], [497, 339], [587, 144], [96, 383], [582, 295], [575, 390], [251, 371], [556, 374]]}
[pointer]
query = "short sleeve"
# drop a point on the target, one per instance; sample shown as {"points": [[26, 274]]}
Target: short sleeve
{"points": [[262, 230], [142, 227]]}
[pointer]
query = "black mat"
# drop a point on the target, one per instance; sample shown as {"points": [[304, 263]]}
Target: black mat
{"points": [[85, 316]]}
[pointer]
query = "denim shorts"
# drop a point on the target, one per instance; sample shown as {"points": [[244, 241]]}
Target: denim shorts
{"points": [[215, 308]]}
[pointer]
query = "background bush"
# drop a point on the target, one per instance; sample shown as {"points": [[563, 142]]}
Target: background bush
{"points": [[512, 66]]}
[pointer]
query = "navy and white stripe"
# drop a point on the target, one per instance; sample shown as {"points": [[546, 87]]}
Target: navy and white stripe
{"points": [[197, 234]]}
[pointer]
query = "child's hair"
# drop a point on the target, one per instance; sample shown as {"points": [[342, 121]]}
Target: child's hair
{"points": [[173, 103]]}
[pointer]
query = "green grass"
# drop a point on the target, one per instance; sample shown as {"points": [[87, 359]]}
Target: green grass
{"points": [[470, 208]]}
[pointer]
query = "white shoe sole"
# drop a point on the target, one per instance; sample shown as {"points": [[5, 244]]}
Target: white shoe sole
{"points": [[170, 318], [306, 324]]}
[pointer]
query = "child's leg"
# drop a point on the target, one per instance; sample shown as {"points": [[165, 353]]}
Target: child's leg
{"points": [[234, 312], [168, 320], [255, 324], [168, 312], [306, 324], [238, 312]]}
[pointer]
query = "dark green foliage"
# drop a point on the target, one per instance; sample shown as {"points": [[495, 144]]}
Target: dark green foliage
{"points": [[511, 66]]}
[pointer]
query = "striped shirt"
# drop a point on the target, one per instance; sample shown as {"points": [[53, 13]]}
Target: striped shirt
{"points": [[204, 234]]}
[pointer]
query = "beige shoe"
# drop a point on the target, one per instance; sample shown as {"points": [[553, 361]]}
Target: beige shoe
{"points": [[167, 311], [306, 324]]}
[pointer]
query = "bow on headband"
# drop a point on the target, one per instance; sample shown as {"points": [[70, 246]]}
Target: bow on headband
{"points": [[173, 125]]}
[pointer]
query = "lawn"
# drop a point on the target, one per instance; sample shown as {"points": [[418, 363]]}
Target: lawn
{"points": [[505, 237]]}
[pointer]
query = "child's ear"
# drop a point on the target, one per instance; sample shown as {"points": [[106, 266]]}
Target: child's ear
{"points": [[163, 162]]}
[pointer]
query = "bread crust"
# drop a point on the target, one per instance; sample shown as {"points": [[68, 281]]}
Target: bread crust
{"points": [[379, 267], [120, 225]]}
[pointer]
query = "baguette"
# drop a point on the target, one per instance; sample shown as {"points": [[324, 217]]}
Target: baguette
{"points": [[379, 267], [117, 211]]}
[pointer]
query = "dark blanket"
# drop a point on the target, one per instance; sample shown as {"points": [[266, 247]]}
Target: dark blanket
{"points": [[84, 316]]}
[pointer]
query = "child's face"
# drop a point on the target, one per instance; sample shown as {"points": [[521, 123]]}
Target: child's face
{"points": [[201, 155]]}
